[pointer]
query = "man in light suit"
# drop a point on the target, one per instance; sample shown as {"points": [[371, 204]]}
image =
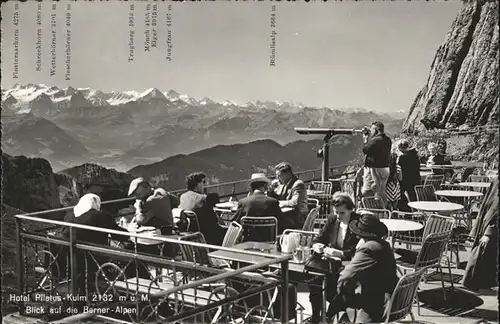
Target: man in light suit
{"points": [[291, 192]]}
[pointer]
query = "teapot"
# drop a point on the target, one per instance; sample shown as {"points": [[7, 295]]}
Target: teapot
{"points": [[289, 242]]}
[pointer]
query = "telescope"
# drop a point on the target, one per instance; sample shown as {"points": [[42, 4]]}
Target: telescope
{"points": [[329, 133]]}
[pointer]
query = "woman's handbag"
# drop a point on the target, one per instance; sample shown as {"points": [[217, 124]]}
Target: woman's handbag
{"points": [[316, 263]]}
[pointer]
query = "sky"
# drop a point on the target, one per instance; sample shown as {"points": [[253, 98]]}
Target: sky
{"points": [[373, 55]]}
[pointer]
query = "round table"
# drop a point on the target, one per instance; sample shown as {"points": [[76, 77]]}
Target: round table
{"points": [[475, 184], [435, 206], [227, 205], [458, 193], [401, 225]]}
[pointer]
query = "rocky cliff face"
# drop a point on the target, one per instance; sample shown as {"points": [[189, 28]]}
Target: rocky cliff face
{"points": [[462, 89], [29, 184], [109, 184]]}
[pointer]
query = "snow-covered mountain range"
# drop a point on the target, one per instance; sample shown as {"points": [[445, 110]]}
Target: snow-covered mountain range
{"points": [[132, 127], [25, 98]]}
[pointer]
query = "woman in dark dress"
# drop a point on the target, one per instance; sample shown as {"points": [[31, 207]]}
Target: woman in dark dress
{"points": [[88, 212], [409, 162]]}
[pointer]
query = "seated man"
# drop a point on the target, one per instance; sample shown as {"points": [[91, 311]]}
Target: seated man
{"points": [[437, 158], [203, 205], [258, 204], [152, 207], [291, 192], [372, 267], [334, 240]]}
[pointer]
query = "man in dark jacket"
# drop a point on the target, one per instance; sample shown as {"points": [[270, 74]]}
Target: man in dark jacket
{"points": [[152, 207], [335, 240], [373, 268], [377, 149], [409, 162], [203, 206], [258, 204]]}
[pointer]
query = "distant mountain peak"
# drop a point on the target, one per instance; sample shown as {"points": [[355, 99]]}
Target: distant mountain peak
{"points": [[152, 93]]}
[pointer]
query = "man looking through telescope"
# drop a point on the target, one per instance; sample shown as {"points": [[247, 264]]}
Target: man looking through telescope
{"points": [[377, 150]]}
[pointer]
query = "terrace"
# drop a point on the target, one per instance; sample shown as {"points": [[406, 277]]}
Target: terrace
{"points": [[192, 286]]}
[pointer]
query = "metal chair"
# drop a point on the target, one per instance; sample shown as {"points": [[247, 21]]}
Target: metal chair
{"points": [[478, 178], [194, 225], [425, 193], [410, 237], [402, 297], [255, 227], [434, 180], [312, 203], [429, 256], [232, 236], [311, 219], [325, 186], [224, 216], [380, 213], [195, 254], [325, 209], [372, 203]]}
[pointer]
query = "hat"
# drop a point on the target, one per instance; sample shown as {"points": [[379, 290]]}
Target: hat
{"points": [[404, 145], [368, 226], [87, 202], [134, 184], [258, 177]]}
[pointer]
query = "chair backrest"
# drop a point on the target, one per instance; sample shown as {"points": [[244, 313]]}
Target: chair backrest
{"points": [[432, 250], [348, 186], [224, 216], [325, 209], [195, 254], [380, 213], [410, 237], [434, 180], [233, 233], [312, 203], [193, 220], [437, 224], [478, 178], [306, 237], [325, 186], [403, 296], [311, 219], [260, 229], [425, 193], [372, 203]]}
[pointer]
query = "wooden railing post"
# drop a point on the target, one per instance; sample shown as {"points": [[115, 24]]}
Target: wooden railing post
{"points": [[20, 264]]}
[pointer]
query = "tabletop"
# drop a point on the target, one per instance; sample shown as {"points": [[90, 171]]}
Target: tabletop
{"points": [[435, 206], [259, 247], [401, 225], [227, 204], [475, 184], [458, 193]]}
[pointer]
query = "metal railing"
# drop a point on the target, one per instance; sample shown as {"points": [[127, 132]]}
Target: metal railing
{"points": [[238, 189], [74, 250]]}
